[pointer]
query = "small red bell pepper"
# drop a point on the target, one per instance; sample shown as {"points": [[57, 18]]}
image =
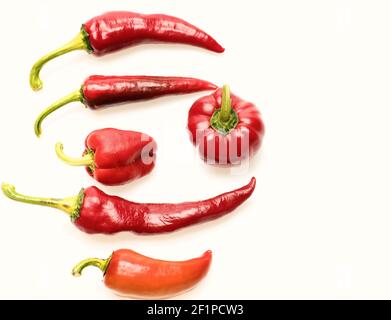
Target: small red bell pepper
{"points": [[114, 157], [131, 274], [225, 128], [115, 30]]}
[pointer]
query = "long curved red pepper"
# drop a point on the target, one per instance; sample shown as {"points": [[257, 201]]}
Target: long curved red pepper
{"points": [[225, 128], [119, 29], [113, 31], [131, 274], [94, 211], [102, 91], [113, 156]]}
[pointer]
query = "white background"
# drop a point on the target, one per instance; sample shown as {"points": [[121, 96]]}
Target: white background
{"points": [[318, 224]]}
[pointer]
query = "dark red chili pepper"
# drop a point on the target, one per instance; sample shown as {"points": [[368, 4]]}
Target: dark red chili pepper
{"points": [[102, 91], [113, 156], [94, 211], [120, 29], [131, 274], [225, 128]]}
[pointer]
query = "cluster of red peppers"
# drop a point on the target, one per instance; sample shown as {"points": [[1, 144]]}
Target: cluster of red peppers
{"points": [[225, 129]]}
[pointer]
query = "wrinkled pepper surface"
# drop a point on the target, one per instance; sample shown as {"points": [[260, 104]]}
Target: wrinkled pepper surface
{"points": [[94, 211]]}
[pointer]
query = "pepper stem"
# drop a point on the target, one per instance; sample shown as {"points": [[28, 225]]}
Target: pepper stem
{"points": [[99, 263], [225, 104], [76, 96], [80, 42], [69, 205], [86, 160], [225, 118]]}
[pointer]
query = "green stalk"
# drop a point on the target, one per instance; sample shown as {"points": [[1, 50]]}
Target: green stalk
{"points": [[225, 110], [224, 119], [76, 96], [102, 264], [70, 205], [80, 42], [86, 160]]}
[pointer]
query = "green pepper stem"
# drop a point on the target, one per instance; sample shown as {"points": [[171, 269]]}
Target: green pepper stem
{"points": [[80, 42], [225, 118], [86, 160], [226, 107], [69, 205], [76, 96], [99, 263]]}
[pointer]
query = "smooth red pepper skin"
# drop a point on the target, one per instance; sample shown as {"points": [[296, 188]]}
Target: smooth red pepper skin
{"points": [[115, 30], [101, 91], [120, 156], [132, 274], [102, 213], [218, 148]]}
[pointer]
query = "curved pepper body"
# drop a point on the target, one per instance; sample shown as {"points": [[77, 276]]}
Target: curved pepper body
{"points": [[120, 156], [231, 148], [102, 213], [115, 30], [100, 91], [132, 274]]}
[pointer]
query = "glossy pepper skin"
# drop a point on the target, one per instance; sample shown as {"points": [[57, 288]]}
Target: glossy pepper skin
{"points": [[131, 274], [116, 30], [103, 91], [113, 31], [94, 211], [225, 128], [114, 157]]}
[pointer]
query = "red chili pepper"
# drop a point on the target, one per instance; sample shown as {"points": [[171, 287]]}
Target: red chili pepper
{"points": [[225, 128], [102, 91], [115, 156], [113, 31], [131, 274], [94, 211]]}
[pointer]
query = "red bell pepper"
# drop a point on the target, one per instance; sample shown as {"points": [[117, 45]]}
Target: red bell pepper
{"points": [[131, 274], [115, 156], [225, 128]]}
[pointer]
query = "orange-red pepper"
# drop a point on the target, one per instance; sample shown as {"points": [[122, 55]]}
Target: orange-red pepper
{"points": [[131, 274]]}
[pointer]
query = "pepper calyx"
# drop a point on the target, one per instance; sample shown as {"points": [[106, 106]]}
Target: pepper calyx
{"points": [[86, 39], [224, 127], [89, 153], [225, 119], [75, 214]]}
